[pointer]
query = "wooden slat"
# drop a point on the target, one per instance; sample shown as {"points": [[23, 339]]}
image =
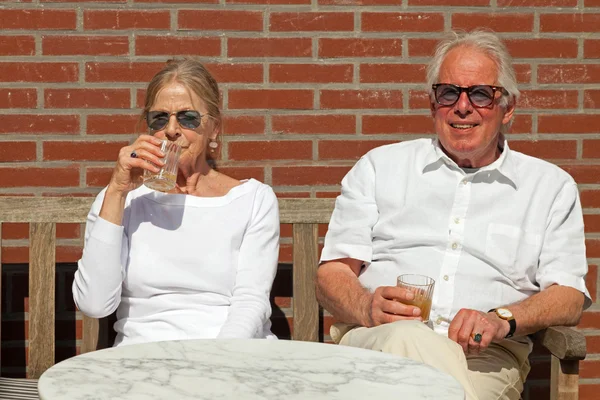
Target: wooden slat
{"points": [[44, 209], [305, 258], [309, 211], [564, 342], [89, 339], [41, 297], [564, 379]]}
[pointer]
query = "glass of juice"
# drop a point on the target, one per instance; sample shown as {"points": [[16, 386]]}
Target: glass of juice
{"points": [[422, 287], [164, 180]]}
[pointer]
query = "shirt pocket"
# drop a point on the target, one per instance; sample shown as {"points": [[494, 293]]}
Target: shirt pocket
{"points": [[513, 251]]}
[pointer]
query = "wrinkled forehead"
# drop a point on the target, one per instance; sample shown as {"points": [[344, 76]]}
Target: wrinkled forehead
{"points": [[467, 66], [177, 93]]}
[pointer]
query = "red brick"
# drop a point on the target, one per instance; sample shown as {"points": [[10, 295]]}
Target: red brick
{"points": [[271, 99], [577, 22], [347, 149], [546, 149], [584, 174], [244, 124], [98, 177], [85, 1], [17, 151], [359, 2], [351, 47], [374, 124], [537, 3], [591, 281], [590, 198], [21, 231], [121, 72], [591, 149], [548, 99], [313, 73], [82, 151], [592, 223], [86, 98], [418, 99], [592, 248], [591, 3], [30, 123], [269, 47], [589, 369], [569, 73], [178, 1], [572, 123], [396, 73], [523, 72], [33, 176], [220, 20], [593, 344], [238, 73], [17, 45], [293, 195], [522, 124], [125, 19], [38, 19], [38, 72], [257, 173], [270, 150], [357, 99], [18, 98], [309, 175], [588, 391], [590, 320], [419, 47], [542, 48], [170, 45], [112, 124], [591, 48], [311, 21], [314, 124], [468, 3], [268, 2], [85, 45], [504, 22], [402, 22]]}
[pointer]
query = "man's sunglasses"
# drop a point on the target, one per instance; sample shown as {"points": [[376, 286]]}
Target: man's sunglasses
{"points": [[189, 119], [447, 94]]}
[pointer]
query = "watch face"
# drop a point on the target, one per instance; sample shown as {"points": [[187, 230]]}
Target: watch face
{"points": [[504, 313]]}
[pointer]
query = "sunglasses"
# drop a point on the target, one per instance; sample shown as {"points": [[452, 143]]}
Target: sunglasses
{"points": [[447, 94], [189, 119]]}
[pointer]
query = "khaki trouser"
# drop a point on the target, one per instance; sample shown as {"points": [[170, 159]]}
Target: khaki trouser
{"points": [[497, 373]]}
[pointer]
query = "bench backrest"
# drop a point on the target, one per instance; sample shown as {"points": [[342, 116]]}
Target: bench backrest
{"points": [[42, 215]]}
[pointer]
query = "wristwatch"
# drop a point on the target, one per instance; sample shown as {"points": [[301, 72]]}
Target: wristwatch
{"points": [[505, 314]]}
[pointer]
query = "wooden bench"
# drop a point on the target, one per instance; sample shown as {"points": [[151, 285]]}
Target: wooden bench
{"points": [[566, 345]]}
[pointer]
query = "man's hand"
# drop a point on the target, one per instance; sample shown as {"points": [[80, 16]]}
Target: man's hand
{"points": [[388, 304], [467, 323]]}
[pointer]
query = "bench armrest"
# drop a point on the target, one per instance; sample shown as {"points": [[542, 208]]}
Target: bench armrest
{"points": [[563, 342]]}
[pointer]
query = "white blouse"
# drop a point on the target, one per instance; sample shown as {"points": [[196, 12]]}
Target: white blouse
{"points": [[181, 266]]}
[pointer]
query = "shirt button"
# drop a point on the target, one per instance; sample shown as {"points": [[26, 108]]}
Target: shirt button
{"points": [[446, 277], [456, 220], [454, 246], [465, 181], [438, 320]]}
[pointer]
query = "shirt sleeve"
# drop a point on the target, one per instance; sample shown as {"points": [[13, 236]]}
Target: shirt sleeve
{"points": [[350, 229], [100, 273], [563, 259], [250, 308]]}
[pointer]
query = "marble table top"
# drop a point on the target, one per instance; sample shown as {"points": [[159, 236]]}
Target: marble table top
{"points": [[243, 369]]}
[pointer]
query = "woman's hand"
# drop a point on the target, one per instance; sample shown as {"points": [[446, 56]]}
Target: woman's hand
{"points": [[128, 171]]}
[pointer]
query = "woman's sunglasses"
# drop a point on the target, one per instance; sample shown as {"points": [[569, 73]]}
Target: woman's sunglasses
{"points": [[189, 119], [447, 94]]}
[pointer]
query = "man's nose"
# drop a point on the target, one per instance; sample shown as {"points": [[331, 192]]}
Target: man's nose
{"points": [[463, 106]]}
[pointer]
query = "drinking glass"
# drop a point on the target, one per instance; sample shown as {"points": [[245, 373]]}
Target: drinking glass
{"points": [[422, 288], [164, 180]]}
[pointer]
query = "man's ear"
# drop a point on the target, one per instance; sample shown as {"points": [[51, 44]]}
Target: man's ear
{"points": [[510, 109]]}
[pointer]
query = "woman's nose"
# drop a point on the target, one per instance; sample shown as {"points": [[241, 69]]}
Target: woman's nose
{"points": [[172, 130]]}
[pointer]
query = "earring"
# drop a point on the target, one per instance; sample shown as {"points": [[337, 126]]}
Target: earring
{"points": [[213, 145]]}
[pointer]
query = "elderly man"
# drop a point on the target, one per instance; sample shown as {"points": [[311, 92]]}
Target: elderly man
{"points": [[500, 232]]}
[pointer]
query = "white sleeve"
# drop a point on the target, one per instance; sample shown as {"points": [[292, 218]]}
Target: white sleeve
{"points": [[100, 273], [562, 260], [250, 306], [350, 229]]}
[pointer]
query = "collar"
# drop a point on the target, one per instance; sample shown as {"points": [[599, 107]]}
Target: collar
{"points": [[504, 165]]}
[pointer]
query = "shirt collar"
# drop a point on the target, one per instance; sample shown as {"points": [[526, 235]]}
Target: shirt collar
{"points": [[505, 164]]}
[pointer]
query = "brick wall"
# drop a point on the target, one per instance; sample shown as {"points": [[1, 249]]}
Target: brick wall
{"points": [[308, 86]]}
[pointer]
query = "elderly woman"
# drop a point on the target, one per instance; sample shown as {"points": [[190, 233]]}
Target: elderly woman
{"points": [[196, 262]]}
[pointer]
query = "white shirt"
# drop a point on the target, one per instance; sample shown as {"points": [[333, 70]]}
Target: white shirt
{"points": [[490, 238], [181, 266]]}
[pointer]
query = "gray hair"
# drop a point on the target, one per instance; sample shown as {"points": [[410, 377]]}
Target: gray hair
{"points": [[488, 43]]}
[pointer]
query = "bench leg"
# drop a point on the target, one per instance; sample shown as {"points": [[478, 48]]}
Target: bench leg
{"points": [[564, 379]]}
